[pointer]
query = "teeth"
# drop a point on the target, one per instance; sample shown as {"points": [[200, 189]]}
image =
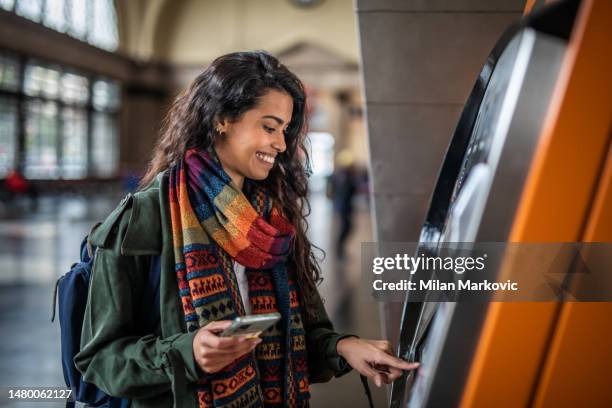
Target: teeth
{"points": [[265, 157]]}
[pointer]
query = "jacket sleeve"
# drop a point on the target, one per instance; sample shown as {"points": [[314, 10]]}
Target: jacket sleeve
{"points": [[115, 355], [324, 362]]}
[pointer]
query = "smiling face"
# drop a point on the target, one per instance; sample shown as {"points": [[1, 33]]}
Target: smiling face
{"points": [[250, 145]]}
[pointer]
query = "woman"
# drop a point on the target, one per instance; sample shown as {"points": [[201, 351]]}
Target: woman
{"points": [[223, 202]]}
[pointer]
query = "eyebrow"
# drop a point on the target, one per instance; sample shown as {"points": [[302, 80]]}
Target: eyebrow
{"points": [[276, 118]]}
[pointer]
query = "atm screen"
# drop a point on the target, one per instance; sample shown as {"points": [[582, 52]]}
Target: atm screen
{"points": [[429, 352], [482, 154], [489, 113]]}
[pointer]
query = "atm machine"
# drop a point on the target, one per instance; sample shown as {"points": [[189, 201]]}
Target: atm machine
{"points": [[476, 199]]}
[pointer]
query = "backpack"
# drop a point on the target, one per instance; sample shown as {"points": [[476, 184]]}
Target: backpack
{"points": [[71, 291]]}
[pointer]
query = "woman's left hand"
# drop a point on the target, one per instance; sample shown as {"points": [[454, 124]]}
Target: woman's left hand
{"points": [[373, 358]]}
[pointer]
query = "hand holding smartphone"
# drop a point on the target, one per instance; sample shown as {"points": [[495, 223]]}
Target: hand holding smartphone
{"points": [[212, 352], [251, 326]]}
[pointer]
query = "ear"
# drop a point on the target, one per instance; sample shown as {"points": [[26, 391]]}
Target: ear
{"points": [[220, 125]]}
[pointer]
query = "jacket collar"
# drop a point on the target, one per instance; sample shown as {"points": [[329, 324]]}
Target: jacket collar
{"points": [[141, 212]]}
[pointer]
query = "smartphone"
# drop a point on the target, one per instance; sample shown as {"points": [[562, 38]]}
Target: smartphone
{"points": [[251, 325]]}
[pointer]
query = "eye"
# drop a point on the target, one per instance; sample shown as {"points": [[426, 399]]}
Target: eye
{"points": [[269, 129]]}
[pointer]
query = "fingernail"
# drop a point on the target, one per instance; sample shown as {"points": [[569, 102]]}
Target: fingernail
{"points": [[377, 382]]}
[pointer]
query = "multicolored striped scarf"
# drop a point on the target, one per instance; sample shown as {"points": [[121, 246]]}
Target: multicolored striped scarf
{"points": [[214, 224]]}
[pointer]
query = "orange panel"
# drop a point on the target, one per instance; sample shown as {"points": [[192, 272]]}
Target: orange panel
{"points": [[573, 145], [554, 208], [577, 370], [528, 6], [599, 228], [508, 354], [531, 4]]}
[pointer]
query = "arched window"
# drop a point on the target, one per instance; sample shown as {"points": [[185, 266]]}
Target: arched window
{"points": [[92, 21]]}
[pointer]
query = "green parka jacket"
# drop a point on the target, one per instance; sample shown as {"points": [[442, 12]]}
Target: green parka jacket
{"points": [[156, 369]]}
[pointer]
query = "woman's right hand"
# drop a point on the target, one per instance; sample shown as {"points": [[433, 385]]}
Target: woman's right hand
{"points": [[212, 352]]}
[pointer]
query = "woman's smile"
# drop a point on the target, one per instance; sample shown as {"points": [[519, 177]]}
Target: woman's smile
{"points": [[265, 158]]}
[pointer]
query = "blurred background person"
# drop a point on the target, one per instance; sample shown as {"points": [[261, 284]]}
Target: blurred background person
{"points": [[343, 186], [15, 186]]}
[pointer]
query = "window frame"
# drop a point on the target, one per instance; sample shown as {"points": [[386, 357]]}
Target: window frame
{"points": [[22, 99], [89, 16]]}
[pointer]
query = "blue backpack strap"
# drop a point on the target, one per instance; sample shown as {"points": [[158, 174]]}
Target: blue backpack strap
{"points": [[87, 253]]}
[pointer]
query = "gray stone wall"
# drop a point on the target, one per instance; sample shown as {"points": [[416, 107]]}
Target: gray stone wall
{"points": [[420, 60]]}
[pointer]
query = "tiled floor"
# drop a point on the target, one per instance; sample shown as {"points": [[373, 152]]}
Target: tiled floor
{"points": [[37, 247]]}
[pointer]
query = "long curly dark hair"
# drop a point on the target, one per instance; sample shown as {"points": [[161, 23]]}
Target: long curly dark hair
{"points": [[227, 89]]}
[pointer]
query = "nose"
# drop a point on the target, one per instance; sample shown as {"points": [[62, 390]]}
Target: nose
{"points": [[278, 143]]}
